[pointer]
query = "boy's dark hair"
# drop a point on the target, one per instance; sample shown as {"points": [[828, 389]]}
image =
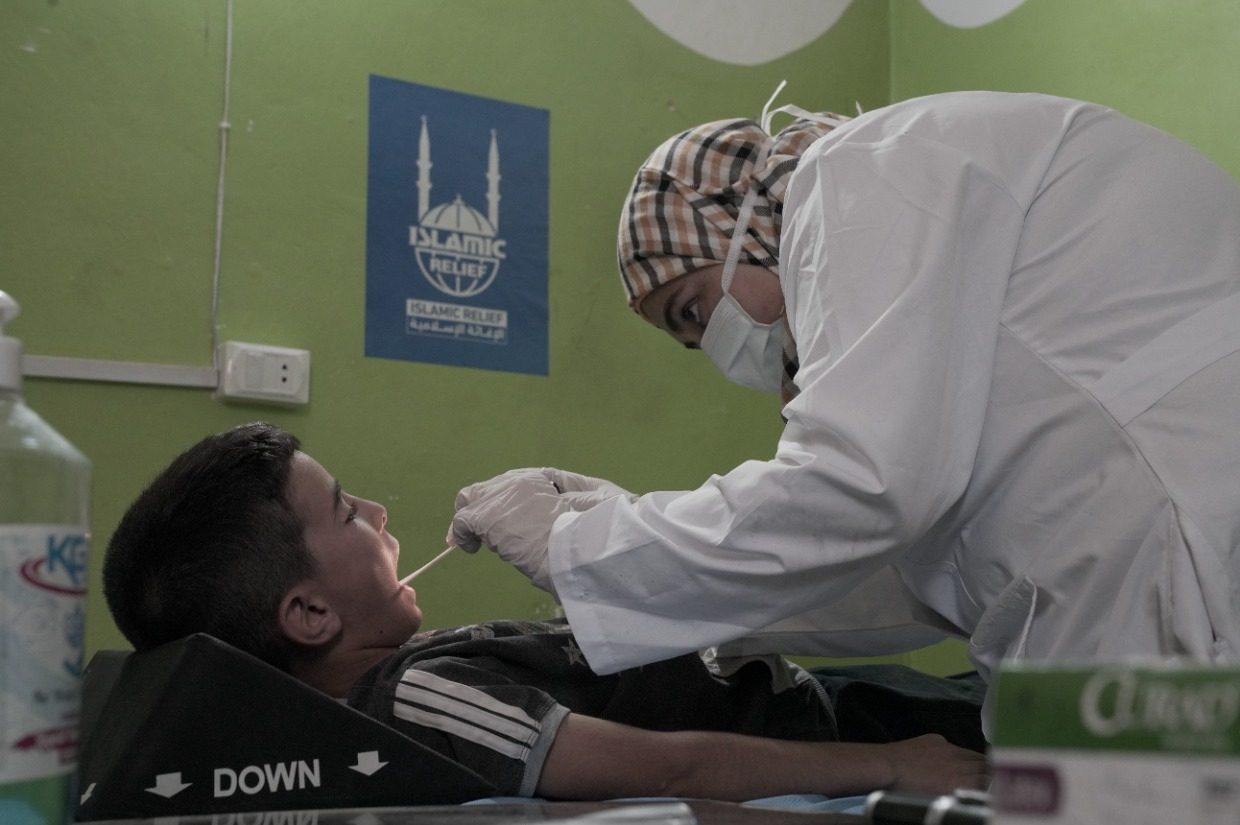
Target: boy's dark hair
{"points": [[211, 546]]}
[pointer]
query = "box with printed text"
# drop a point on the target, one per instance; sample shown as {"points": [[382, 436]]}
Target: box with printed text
{"points": [[1133, 743]]}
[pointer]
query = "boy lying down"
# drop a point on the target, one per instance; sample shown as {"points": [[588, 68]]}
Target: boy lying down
{"points": [[249, 539]]}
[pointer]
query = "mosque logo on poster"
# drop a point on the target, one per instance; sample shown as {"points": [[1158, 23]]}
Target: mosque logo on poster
{"points": [[467, 293], [458, 248], [459, 252]]}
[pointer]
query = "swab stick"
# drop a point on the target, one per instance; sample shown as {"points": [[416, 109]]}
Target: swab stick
{"points": [[423, 568]]}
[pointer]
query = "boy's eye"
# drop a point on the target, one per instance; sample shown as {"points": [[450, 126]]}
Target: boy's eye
{"points": [[351, 514]]}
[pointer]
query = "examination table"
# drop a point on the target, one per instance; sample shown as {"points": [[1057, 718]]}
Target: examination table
{"points": [[198, 733]]}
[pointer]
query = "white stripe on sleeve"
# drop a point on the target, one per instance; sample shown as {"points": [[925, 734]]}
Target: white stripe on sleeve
{"points": [[466, 712]]}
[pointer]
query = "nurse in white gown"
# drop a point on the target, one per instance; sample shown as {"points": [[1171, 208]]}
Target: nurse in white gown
{"points": [[1016, 417]]}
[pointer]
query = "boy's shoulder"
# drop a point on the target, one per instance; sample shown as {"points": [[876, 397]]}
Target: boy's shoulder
{"points": [[484, 632], [484, 653]]}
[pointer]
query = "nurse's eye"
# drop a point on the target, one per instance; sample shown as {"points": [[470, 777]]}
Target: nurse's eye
{"points": [[691, 313], [351, 513]]}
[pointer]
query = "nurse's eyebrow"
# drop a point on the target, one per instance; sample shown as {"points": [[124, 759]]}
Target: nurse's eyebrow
{"points": [[336, 497]]}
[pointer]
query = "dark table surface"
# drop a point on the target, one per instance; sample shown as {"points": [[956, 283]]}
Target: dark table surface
{"points": [[636, 813]]}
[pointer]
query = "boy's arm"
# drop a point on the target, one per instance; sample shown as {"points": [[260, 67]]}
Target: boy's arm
{"points": [[596, 759]]}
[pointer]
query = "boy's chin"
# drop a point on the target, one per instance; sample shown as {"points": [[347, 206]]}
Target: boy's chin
{"points": [[416, 623]]}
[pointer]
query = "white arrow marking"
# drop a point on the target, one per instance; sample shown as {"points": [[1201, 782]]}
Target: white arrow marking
{"points": [[168, 785], [367, 763], [90, 789]]}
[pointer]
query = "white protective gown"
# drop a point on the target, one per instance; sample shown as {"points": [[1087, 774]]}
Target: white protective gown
{"points": [[1018, 321]]}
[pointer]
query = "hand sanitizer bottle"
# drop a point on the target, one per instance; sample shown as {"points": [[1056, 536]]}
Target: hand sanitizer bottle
{"points": [[44, 538]]}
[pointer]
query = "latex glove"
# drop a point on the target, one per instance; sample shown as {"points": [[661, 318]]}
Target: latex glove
{"points": [[565, 481], [527, 477], [587, 491], [593, 490], [513, 514]]}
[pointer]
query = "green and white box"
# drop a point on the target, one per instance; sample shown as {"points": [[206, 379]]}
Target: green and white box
{"points": [[1127, 743]]}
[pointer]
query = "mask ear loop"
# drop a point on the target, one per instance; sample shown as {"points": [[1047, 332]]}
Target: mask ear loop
{"points": [[800, 114], [747, 204], [746, 211], [765, 123], [765, 119], [734, 245], [768, 113]]}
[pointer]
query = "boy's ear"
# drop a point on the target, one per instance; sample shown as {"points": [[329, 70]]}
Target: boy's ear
{"points": [[306, 618]]}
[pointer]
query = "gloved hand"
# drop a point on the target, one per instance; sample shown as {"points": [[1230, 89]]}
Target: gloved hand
{"points": [[592, 490], [513, 514]]}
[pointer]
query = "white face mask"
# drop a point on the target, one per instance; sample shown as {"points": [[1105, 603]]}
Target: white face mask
{"points": [[746, 352]]}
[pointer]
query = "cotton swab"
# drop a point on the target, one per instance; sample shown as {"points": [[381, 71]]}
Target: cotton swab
{"points": [[423, 568]]}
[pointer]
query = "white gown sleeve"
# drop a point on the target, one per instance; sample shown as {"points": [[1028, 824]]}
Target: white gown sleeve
{"points": [[896, 255]]}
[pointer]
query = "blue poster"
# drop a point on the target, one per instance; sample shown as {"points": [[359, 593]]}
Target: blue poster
{"points": [[456, 229]]}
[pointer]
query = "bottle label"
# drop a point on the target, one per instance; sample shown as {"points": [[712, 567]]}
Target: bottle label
{"points": [[42, 648]]}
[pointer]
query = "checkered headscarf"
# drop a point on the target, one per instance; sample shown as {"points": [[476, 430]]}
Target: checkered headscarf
{"points": [[682, 209]]}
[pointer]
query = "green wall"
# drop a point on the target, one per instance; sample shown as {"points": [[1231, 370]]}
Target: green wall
{"points": [[1172, 63], [109, 156], [109, 114]]}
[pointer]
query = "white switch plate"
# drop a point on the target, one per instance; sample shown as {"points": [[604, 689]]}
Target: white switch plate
{"points": [[257, 372]]}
